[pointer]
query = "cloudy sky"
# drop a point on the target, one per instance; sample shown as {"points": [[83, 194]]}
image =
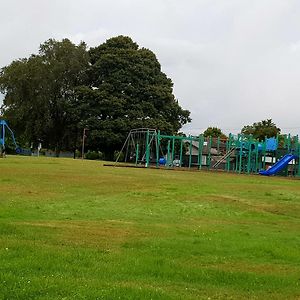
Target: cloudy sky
{"points": [[233, 62]]}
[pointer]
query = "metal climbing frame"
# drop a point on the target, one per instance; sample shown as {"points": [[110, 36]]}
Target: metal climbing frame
{"points": [[3, 136]]}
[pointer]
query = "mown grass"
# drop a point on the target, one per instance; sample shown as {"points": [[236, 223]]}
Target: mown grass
{"points": [[72, 229]]}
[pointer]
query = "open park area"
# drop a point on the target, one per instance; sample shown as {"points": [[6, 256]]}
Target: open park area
{"points": [[74, 229]]}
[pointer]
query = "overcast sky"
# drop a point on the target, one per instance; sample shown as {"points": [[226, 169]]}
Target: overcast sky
{"points": [[233, 62]]}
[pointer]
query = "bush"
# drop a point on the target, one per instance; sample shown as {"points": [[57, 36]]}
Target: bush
{"points": [[77, 153], [93, 155], [42, 152]]}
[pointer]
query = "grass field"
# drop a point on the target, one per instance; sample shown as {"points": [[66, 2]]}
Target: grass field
{"points": [[72, 229]]}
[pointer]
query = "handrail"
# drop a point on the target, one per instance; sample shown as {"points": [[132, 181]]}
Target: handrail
{"points": [[226, 155]]}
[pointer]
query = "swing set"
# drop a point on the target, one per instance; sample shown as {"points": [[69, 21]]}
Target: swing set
{"points": [[145, 146]]}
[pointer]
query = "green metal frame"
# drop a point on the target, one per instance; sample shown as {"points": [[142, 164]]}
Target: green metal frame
{"points": [[243, 154]]}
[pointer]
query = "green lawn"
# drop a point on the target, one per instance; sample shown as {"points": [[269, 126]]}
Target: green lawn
{"points": [[72, 229]]}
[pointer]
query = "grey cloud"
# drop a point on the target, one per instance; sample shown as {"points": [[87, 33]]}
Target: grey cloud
{"points": [[232, 62]]}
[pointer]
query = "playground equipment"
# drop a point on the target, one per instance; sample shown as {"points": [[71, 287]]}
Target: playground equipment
{"points": [[138, 145], [279, 165], [237, 153], [3, 137], [5, 130]]}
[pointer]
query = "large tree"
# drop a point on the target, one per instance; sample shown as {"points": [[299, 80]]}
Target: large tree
{"points": [[262, 129], [40, 100], [127, 90], [109, 89]]}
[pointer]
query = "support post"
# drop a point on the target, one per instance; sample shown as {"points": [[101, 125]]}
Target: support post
{"points": [[181, 149], [147, 148], [256, 157], [298, 159], [137, 154], [200, 149], [173, 149], [157, 143], [209, 152], [168, 155], [249, 157], [190, 149], [228, 148]]}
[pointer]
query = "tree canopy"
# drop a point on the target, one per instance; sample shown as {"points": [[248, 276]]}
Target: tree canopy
{"points": [[214, 132], [126, 90], [109, 89], [40, 98], [262, 129]]}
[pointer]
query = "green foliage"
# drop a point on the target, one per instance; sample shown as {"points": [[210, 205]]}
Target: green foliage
{"points": [[78, 153], [93, 155], [262, 129], [127, 90], [72, 229], [214, 132], [40, 100], [109, 89], [43, 152]]}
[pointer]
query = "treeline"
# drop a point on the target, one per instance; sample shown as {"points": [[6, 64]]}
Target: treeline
{"points": [[259, 130], [53, 95]]}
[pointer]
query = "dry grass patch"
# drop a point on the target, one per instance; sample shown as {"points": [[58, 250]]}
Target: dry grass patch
{"points": [[108, 234]]}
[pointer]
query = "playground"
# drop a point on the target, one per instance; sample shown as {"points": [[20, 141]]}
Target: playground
{"points": [[73, 229], [238, 153]]}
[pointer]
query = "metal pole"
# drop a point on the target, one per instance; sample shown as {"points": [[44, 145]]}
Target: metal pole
{"points": [[147, 148], [200, 150], [264, 156], [126, 141], [256, 157], [173, 149], [298, 159], [227, 163], [190, 149], [181, 149], [137, 154], [209, 151], [3, 137], [240, 156], [83, 138], [249, 156], [168, 154], [157, 143]]}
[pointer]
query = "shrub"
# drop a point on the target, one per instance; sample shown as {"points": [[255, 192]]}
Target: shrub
{"points": [[77, 153], [93, 155]]}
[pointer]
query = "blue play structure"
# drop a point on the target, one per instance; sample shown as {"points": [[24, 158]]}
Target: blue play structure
{"points": [[3, 136], [279, 165], [5, 130]]}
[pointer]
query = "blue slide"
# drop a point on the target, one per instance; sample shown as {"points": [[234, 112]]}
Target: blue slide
{"points": [[283, 162]]}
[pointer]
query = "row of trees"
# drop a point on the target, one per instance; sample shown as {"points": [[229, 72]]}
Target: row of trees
{"points": [[53, 95], [259, 130]]}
